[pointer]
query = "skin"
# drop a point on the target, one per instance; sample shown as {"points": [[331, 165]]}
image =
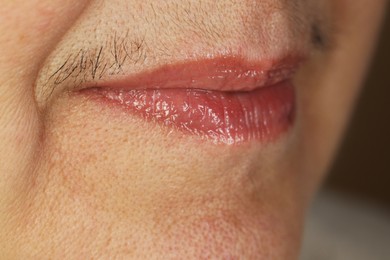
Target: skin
{"points": [[83, 181]]}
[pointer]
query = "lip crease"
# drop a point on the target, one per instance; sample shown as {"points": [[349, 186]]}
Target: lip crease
{"points": [[226, 100]]}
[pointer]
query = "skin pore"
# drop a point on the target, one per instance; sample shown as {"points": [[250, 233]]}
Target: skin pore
{"points": [[80, 180]]}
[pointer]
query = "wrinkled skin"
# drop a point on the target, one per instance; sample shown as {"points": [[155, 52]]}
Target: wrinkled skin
{"points": [[78, 182]]}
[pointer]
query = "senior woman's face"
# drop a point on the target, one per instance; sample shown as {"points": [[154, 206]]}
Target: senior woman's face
{"points": [[171, 129]]}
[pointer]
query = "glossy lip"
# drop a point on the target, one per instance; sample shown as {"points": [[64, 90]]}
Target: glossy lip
{"points": [[222, 74], [226, 100]]}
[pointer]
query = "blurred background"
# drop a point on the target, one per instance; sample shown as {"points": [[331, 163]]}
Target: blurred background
{"points": [[362, 168], [350, 219]]}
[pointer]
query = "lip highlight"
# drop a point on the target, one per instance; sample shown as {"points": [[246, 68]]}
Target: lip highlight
{"points": [[224, 100]]}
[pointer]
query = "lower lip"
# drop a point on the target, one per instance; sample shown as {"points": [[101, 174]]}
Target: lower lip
{"points": [[263, 114]]}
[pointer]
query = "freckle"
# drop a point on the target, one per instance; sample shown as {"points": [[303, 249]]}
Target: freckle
{"points": [[22, 38]]}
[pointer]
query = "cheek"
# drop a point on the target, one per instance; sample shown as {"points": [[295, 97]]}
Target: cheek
{"points": [[31, 29], [29, 32]]}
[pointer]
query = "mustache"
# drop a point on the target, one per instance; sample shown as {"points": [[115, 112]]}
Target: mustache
{"points": [[105, 59]]}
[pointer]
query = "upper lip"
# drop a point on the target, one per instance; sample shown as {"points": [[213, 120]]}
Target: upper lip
{"points": [[218, 74], [262, 45]]}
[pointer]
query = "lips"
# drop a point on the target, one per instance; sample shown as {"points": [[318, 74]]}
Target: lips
{"points": [[224, 100]]}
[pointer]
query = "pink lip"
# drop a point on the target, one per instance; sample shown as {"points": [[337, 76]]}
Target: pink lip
{"points": [[226, 100], [222, 74]]}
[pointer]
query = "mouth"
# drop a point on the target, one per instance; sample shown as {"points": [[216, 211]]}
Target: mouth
{"points": [[225, 100]]}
